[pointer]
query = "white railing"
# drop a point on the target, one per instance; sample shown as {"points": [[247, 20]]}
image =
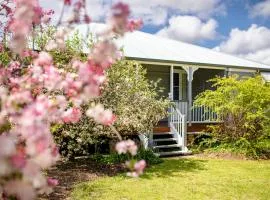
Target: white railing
{"points": [[199, 114], [203, 114], [178, 126]]}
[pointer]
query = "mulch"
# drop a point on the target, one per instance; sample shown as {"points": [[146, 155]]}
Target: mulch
{"points": [[69, 173]]}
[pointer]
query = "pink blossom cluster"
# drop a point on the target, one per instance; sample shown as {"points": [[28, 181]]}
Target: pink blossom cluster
{"points": [[25, 15], [126, 146], [130, 147], [34, 96], [136, 169], [79, 13]]}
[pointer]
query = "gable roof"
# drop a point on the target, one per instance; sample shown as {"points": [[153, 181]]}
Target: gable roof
{"points": [[144, 46]]}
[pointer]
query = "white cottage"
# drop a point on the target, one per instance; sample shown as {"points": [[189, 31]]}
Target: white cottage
{"points": [[184, 70]]}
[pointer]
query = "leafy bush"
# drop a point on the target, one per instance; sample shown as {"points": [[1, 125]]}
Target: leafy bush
{"points": [[132, 98], [114, 158], [244, 106]]}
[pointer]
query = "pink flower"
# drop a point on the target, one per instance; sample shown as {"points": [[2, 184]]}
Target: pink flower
{"points": [[137, 169], [139, 166], [20, 189], [7, 145], [120, 12], [120, 9], [121, 147], [44, 59], [52, 182], [100, 115], [104, 54], [67, 2], [126, 146], [72, 115], [18, 160], [87, 19], [134, 25]]}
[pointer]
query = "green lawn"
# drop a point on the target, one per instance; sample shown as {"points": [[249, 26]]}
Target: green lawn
{"points": [[185, 179]]}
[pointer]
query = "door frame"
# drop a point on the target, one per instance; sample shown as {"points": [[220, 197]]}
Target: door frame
{"points": [[180, 72]]}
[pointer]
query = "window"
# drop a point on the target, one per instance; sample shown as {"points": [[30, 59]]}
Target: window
{"points": [[177, 85]]}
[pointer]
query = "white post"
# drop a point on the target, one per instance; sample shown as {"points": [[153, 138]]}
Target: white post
{"points": [[171, 83], [190, 78]]}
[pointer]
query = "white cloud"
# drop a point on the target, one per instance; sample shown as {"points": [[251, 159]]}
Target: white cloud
{"points": [[261, 9], [96, 9], [189, 29], [253, 43], [201, 8], [153, 12], [262, 56]]}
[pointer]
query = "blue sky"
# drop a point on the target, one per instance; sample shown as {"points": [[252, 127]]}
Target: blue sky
{"points": [[238, 27]]}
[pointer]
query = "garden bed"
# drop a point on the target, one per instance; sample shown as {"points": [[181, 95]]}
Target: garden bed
{"points": [[80, 170]]}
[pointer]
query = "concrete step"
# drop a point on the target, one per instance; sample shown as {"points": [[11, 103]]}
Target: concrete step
{"points": [[174, 153], [165, 140], [166, 146]]}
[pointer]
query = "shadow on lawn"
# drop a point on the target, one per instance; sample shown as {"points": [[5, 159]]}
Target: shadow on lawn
{"points": [[172, 166], [72, 172]]}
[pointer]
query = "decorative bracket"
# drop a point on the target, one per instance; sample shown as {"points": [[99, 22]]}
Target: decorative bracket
{"points": [[190, 71]]}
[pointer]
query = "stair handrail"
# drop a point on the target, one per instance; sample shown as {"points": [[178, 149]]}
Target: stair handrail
{"points": [[178, 125]]}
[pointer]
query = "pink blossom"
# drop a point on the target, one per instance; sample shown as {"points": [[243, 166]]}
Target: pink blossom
{"points": [[72, 115], [134, 25], [18, 160], [137, 169], [120, 12], [104, 54], [121, 147], [126, 146], [100, 115], [29, 101], [87, 19], [67, 2], [20, 189], [7, 145], [139, 166], [52, 182], [120, 9], [44, 59]]}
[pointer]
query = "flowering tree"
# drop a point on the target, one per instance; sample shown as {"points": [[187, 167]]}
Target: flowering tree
{"points": [[34, 93]]}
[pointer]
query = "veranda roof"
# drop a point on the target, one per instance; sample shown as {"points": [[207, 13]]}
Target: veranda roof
{"points": [[148, 47], [266, 76]]}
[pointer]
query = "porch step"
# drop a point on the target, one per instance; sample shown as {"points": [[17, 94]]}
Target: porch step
{"points": [[173, 153], [160, 129], [165, 140], [163, 133], [166, 146]]}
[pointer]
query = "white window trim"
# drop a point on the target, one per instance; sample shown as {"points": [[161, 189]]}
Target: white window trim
{"points": [[180, 72]]}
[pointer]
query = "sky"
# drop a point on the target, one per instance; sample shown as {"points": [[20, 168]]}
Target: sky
{"points": [[237, 27]]}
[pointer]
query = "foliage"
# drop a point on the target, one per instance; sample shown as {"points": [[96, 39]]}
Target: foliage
{"points": [[114, 158], [131, 97], [138, 107], [190, 179], [244, 106]]}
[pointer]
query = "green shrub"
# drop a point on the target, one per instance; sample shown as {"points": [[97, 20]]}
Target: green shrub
{"points": [[244, 106], [114, 158]]}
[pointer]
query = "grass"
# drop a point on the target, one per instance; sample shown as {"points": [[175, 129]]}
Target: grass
{"points": [[192, 178]]}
